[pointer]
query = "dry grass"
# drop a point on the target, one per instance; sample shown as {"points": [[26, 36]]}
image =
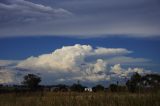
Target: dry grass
{"points": [[79, 99]]}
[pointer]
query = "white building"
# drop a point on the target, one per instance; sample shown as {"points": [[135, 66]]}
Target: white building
{"points": [[88, 90]]}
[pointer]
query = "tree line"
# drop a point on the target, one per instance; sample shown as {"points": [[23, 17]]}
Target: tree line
{"points": [[137, 83]]}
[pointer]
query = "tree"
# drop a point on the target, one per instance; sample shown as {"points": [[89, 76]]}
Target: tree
{"points": [[77, 87], [134, 82], [151, 81], [98, 88], [62, 87], [31, 81], [113, 87]]}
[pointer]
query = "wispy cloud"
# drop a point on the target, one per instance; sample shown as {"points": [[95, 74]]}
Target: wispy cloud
{"points": [[18, 12], [127, 60]]}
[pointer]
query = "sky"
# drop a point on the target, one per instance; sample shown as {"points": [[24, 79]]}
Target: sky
{"points": [[94, 41]]}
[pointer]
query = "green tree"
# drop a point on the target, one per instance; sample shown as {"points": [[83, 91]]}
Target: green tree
{"points": [[31, 81]]}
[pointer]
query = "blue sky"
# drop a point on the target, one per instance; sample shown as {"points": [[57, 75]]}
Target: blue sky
{"points": [[22, 47], [101, 37]]}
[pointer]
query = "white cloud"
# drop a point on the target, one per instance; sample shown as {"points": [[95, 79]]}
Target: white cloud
{"points": [[6, 76], [121, 72], [116, 69], [8, 62], [68, 64], [61, 59], [68, 57], [95, 71], [110, 51]]}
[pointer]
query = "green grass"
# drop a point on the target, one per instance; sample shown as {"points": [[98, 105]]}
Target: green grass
{"points": [[79, 99]]}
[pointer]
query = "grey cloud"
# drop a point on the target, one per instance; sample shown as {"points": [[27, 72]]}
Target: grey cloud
{"points": [[5, 1], [20, 11], [90, 18], [127, 60]]}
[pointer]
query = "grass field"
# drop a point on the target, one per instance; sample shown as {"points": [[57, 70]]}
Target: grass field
{"points": [[79, 99]]}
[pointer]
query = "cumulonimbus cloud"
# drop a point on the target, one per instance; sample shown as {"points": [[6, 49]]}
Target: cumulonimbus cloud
{"points": [[69, 64], [69, 56]]}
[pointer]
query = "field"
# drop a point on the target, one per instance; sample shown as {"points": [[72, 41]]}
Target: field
{"points": [[79, 99]]}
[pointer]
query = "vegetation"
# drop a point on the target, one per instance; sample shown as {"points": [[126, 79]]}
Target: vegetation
{"points": [[150, 82], [31, 81], [79, 99], [113, 87], [139, 91], [98, 88], [77, 88], [134, 82]]}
